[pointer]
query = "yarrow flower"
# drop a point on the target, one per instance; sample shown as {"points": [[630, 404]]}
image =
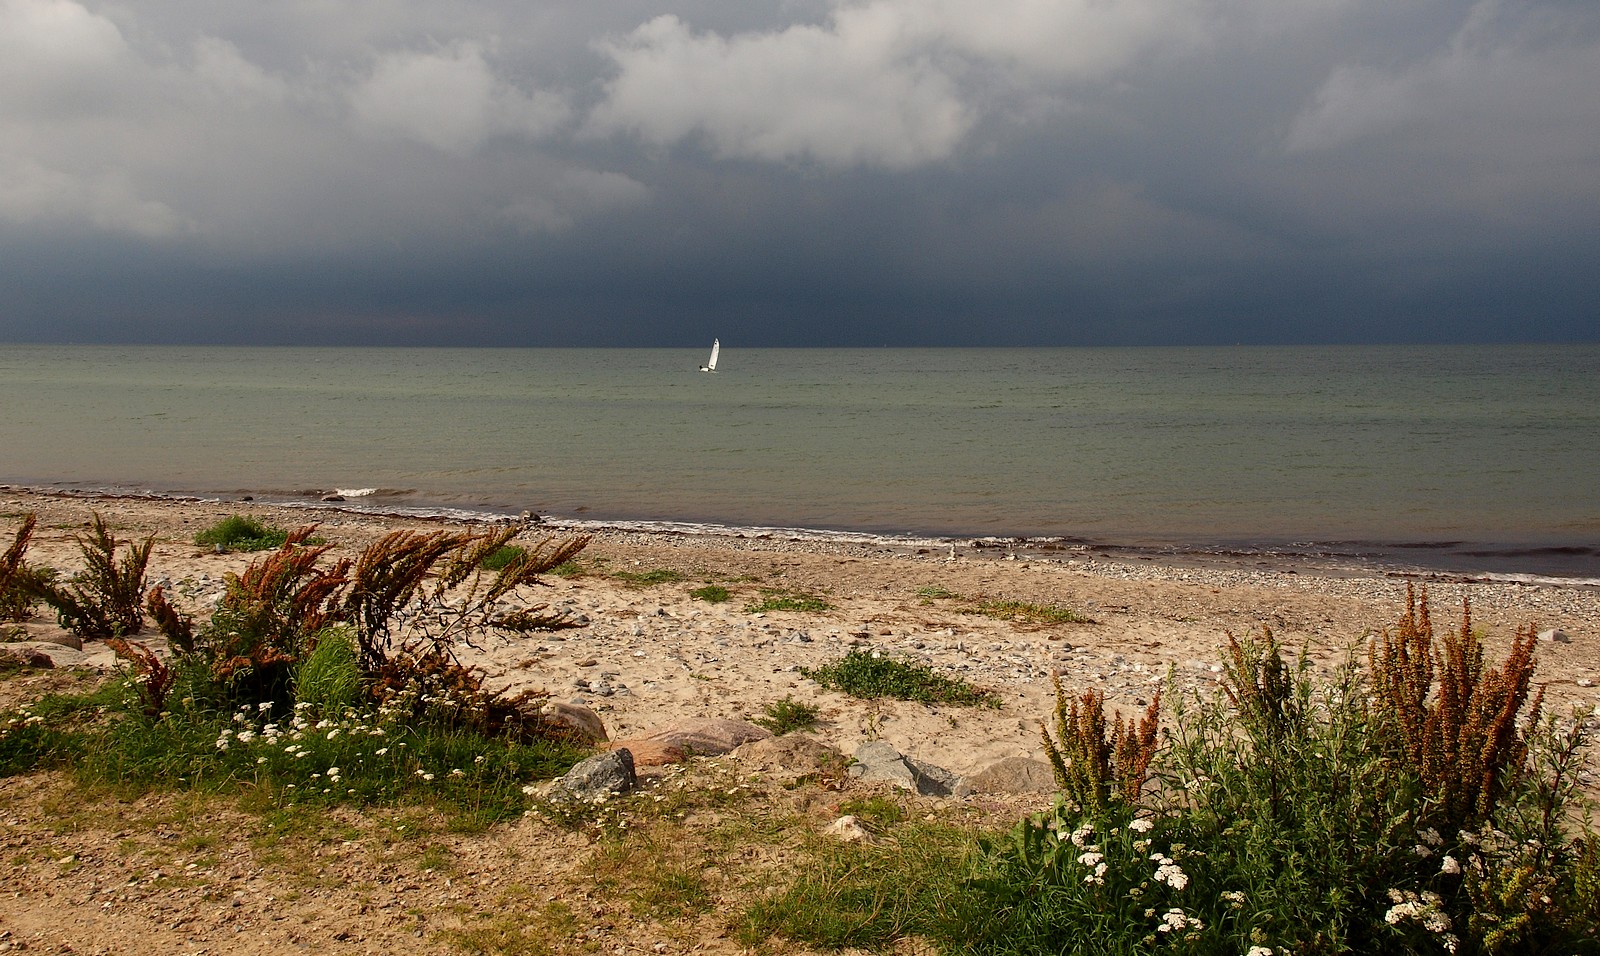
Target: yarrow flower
{"points": [[1449, 866], [1141, 825]]}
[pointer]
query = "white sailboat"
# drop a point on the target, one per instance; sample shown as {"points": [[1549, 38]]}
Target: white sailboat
{"points": [[711, 364]]}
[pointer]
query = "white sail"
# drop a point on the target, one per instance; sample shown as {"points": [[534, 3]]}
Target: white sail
{"points": [[711, 366]]}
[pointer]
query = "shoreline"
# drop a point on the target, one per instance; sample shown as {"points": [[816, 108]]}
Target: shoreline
{"points": [[1442, 559]]}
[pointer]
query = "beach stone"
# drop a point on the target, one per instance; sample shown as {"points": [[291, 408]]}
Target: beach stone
{"points": [[1009, 775], [583, 722], [878, 761], [65, 640], [790, 757], [650, 753], [26, 657], [1555, 635], [708, 736], [610, 772], [849, 829]]}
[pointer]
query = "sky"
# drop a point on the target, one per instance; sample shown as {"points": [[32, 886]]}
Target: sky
{"points": [[799, 172]]}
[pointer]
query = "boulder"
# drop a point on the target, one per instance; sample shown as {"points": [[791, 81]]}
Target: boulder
{"points": [[879, 761], [707, 736], [583, 722], [610, 772], [1555, 636], [650, 753], [1010, 775], [849, 829], [25, 657], [792, 757]]}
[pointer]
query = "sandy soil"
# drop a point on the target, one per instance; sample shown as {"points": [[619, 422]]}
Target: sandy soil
{"points": [[649, 655]]}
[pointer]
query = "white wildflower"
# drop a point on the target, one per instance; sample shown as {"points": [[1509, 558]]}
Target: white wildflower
{"points": [[1449, 866], [1141, 826]]}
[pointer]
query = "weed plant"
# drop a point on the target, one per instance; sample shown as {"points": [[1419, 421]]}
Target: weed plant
{"points": [[649, 578], [20, 582], [242, 533], [106, 598], [788, 716], [501, 557], [711, 594], [870, 676], [781, 601], [1283, 813]]}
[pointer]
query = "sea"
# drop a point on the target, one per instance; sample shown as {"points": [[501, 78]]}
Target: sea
{"points": [[1458, 459]]}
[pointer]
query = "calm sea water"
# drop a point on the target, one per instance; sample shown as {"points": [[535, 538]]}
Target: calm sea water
{"points": [[1484, 458]]}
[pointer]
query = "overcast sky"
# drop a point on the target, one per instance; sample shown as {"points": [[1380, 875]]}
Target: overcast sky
{"points": [[799, 172]]}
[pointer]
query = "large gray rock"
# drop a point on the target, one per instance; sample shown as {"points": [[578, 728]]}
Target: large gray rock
{"points": [[879, 761], [707, 736], [1010, 775], [582, 722], [610, 772]]}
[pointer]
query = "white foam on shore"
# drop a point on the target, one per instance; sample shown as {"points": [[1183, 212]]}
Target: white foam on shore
{"points": [[355, 492]]}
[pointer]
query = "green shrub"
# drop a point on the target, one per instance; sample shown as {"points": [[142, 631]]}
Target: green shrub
{"points": [[649, 578], [1028, 612], [242, 533], [871, 676], [502, 556], [329, 679], [787, 716], [711, 594]]}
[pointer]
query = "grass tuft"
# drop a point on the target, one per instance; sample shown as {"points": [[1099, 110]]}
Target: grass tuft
{"points": [[242, 533], [871, 676]]}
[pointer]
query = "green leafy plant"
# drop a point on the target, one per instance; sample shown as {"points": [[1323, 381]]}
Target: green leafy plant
{"points": [[501, 557], [711, 594], [330, 678], [871, 676], [648, 578], [1095, 768], [105, 599], [242, 533], [788, 715]]}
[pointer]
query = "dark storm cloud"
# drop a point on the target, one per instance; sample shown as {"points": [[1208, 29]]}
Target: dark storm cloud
{"points": [[861, 172]]}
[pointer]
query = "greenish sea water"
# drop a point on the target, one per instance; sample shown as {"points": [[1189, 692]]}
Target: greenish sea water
{"points": [[1459, 456]]}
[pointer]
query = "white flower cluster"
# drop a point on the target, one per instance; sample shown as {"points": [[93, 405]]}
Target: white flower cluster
{"points": [[1169, 872], [1176, 920], [1424, 908]]}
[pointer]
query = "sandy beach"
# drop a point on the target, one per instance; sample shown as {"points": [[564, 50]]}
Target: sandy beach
{"points": [[651, 654], [648, 655]]}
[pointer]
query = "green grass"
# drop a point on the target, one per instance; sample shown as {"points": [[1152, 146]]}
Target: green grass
{"points": [[870, 677], [502, 556], [788, 716], [242, 533], [649, 578], [711, 594], [788, 601]]}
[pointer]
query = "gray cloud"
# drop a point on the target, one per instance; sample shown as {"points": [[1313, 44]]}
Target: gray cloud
{"points": [[807, 172]]}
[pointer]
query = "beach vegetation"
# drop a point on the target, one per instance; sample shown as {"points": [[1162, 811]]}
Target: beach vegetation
{"points": [[788, 716], [934, 592], [20, 582], [568, 569], [1283, 811], [106, 598], [794, 601], [241, 533], [649, 578], [711, 594], [502, 556], [871, 675]]}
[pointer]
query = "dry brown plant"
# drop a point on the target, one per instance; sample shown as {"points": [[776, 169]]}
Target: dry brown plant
{"points": [[1455, 720], [1095, 768], [151, 675], [18, 581], [1263, 689], [106, 598]]}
